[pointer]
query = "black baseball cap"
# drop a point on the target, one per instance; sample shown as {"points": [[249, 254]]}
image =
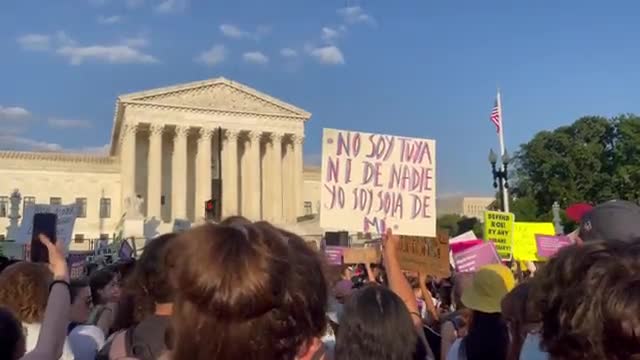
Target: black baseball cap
{"points": [[612, 220]]}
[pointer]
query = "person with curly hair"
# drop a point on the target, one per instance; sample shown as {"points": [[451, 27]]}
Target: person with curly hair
{"points": [[24, 290], [588, 299]]}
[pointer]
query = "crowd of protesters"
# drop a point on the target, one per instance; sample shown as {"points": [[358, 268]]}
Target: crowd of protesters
{"points": [[243, 290]]}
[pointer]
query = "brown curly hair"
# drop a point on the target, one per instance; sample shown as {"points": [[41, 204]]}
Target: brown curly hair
{"points": [[24, 289], [259, 290], [588, 299]]}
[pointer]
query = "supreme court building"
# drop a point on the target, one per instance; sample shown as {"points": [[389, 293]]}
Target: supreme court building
{"points": [[176, 147]]}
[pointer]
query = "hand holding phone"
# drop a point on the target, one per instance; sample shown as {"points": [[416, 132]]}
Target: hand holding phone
{"points": [[57, 262], [45, 224]]}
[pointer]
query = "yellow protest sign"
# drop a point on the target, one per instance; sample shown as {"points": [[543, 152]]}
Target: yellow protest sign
{"points": [[498, 228], [524, 239]]}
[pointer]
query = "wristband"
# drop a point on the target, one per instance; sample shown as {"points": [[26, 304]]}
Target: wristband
{"points": [[64, 282]]}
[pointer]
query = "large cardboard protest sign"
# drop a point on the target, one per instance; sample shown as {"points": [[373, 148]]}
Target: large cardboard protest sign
{"points": [[367, 255], [524, 239], [498, 228], [372, 182], [476, 257], [427, 255], [64, 226]]}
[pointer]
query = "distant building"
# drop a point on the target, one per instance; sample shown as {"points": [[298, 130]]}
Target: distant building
{"points": [[463, 206]]}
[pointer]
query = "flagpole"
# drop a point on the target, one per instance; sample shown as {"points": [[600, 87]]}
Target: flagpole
{"points": [[505, 191]]}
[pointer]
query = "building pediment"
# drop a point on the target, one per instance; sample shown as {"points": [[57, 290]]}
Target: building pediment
{"points": [[218, 94]]}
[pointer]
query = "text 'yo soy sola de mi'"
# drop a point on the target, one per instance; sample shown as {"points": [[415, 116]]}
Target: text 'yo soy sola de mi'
{"points": [[372, 181]]}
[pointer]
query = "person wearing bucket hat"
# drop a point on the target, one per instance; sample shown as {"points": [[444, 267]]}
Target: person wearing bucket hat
{"points": [[487, 337]]}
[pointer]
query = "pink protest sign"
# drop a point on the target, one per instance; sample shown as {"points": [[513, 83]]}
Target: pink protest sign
{"points": [[476, 257], [333, 255], [549, 245]]}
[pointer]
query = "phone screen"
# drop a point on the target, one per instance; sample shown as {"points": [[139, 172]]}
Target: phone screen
{"points": [[42, 224]]}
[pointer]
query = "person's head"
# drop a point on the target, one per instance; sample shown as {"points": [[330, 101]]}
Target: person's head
{"points": [[24, 289], [588, 298], [105, 286], [152, 270], [81, 302], [461, 281], [516, 313], [342, 290], [611, 220], [376, 325], [12, 340], [260, 290], [487, 336]]}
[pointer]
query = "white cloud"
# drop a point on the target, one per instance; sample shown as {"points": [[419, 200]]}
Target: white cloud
{"points": [[125, 52], [112, 54], [62, 39], [13, 113], [255, 57], [136, 41], [133, 4], [68, 123], [328, 55], [355, 15], [15, 142], [109, 20], [234, 32], [288, 52], [34, 42], [171, 6], [213, 56], [330, 34]]}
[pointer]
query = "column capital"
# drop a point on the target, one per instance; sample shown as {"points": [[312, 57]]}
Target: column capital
{"points": [[254, 136], [297, 139], [231, 134], [156, 129], [206, 133], [181, 131], [276, 136], [130, 128]]}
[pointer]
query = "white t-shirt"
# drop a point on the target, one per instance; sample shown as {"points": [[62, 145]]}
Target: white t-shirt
{"points": [[85, 341], [33, 330], [531, 348]]}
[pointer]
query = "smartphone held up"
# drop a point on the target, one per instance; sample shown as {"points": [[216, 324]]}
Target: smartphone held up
{"points": [[45, 224]]}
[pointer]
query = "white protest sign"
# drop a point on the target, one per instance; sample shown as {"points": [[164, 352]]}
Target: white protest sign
{"points": [[181, 225], [64, 226], [469, 235], [372, 182]]}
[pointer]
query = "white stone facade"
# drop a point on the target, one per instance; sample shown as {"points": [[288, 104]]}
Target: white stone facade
{"points": [[165, 147]]}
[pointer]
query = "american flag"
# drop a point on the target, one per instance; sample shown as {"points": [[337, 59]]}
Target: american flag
{"points": [[495, 116]]}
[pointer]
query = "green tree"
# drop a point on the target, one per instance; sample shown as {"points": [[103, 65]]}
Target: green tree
{"points": [[457, 225], [593, 160]]}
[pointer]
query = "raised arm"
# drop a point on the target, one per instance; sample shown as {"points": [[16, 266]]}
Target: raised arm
{"points": [[56, 316], [397, 281]]}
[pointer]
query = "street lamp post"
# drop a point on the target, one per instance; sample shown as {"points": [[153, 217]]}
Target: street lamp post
{"points": [[500, 175]]}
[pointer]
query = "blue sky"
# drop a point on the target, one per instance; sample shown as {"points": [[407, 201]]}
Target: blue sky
{"points": [[415, 68]]}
